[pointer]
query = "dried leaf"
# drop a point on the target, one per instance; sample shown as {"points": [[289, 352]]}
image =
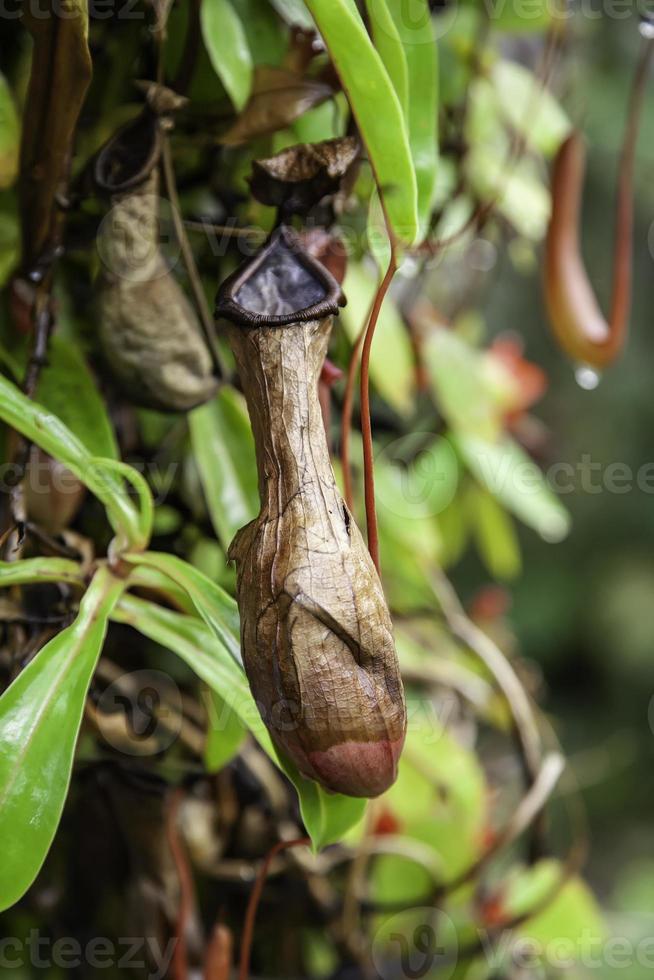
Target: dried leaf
{"points": [[278, 98], [60, 76], [149, 331]]}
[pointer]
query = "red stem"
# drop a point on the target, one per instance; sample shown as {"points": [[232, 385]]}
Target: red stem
{"points": [[255, 898], [366, 425]]}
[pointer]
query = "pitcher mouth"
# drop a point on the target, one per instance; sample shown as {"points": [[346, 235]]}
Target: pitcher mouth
{"points": [[282, 284]]}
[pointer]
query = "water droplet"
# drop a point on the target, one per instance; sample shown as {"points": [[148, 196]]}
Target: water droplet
{"points": [[587, 377], [646, 26]]}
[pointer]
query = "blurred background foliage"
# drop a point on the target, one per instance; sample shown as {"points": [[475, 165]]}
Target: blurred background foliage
{"points": [[562, 584]]}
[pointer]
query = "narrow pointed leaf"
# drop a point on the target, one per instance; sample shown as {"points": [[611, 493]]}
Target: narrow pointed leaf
{"points": [[223, 448], [228, 48], [40, 717], [376, 107], [326, 816], [391, 51], [40, 570], [214, 605], [416, 34], [48, 431]]}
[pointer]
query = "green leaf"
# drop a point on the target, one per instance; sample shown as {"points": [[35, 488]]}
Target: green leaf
{"points": [[9, 236], [439, 799], [494, 533], [518, 16], [227, 46], [572, 917], [391, 363], [223, 446], [40, 570], [266, 36], [193, 640], [529, 107], [49, 432], [217, 609], [9, 136], [295, 13], [40, 717], [225, 733], [515, 480], [67, 389], [416, 32], [387, 42], [326, 816], [376, 108], [464, 389]]}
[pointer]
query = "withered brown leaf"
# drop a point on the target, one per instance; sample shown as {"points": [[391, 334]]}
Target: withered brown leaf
{"points": [[59, 78], [278, 98]]}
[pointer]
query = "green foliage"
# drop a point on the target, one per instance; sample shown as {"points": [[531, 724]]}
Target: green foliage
{"points": [[50, 433], [227, 45], [223, 448], [449, 426], [40, 717], [376, 107]]}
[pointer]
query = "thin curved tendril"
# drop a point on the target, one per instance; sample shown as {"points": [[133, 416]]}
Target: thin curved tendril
{"points": [[366, 425], [346, 415], [255, 898]]}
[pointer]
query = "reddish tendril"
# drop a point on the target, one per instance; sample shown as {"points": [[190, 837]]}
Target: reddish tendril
{"points": [[180, 956], [366, 425], [255, 898], [575, 316], [346, 416]]}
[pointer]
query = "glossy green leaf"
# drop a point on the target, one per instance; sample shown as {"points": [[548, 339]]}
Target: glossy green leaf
{"points": [[40, 570], [265, 34], [326, 816], [415, 30], [40, 717], [227, 45], [9, 135], [225, 732], [49, 432], [391, 363], [376, 107], [67, 389], [217, 609], [193, 640], [223, 447], [387, 42], [515, 480]]}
